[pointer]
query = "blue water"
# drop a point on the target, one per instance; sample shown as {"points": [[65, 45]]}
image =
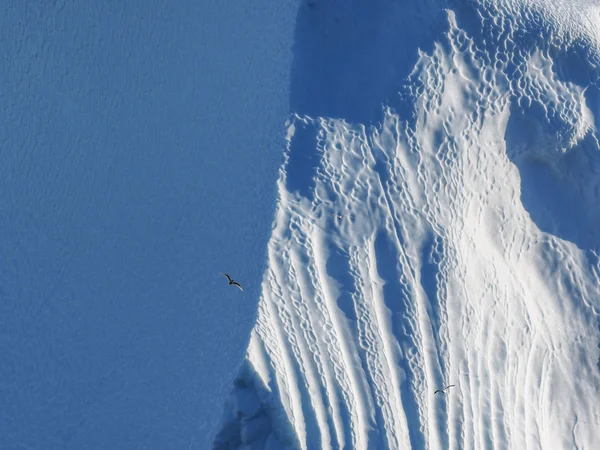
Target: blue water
{"points": [[139, 148]]}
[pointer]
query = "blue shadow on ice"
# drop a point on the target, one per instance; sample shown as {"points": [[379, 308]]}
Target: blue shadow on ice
{"points": [[561, 193], [303, 159], [253, 415], [562, 196], [352, 57], [397, 299]]}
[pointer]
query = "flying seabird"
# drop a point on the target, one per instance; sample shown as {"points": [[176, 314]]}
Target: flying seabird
{"points": [[445, 389], [232, 282], [340, 216]]}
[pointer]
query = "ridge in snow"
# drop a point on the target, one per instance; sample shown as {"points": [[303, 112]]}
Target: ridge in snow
{"points": [[472, 253]]}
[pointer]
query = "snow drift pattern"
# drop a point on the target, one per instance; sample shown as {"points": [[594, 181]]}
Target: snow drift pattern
{"points": [[466, 251]]}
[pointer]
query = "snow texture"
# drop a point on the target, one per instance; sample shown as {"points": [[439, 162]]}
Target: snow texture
{"points": [[459, 141], [140, 145]]}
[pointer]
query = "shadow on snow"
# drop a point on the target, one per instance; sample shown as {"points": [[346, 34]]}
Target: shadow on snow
{"points": [[253, 415]]}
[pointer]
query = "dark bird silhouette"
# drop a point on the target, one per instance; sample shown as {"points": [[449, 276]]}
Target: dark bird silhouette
{"points": [[445, 389], [341, 216], [232, 282]]}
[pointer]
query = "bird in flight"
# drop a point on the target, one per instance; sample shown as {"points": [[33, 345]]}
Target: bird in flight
{"points": [[445, 389], [341, 216], [232, 282]]}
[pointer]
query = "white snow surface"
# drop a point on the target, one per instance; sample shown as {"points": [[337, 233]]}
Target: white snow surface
{"points": [[468, 253]]}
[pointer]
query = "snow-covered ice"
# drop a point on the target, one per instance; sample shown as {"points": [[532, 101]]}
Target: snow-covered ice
{"points": [[462, 139]]}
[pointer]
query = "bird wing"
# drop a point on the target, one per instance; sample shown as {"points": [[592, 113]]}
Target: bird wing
{"points": [[449, 386], [439, 390], [235, 283], [226, 276]]}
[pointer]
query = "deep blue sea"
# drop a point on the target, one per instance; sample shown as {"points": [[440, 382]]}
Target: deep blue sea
{"points": [[139, 148]]}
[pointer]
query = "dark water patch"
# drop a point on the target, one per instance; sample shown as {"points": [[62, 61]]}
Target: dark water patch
{"points": [[144, 143]]}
